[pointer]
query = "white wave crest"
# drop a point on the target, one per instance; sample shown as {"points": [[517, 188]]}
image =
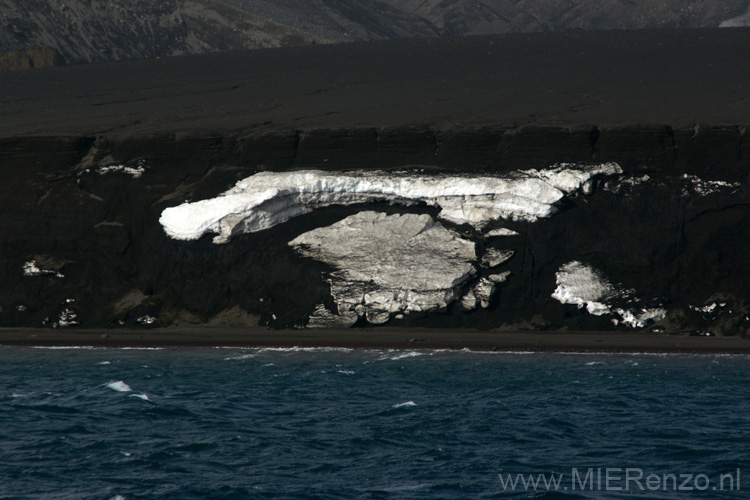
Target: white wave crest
{"points": [[406, 404], [119, 386], [408, 354]]}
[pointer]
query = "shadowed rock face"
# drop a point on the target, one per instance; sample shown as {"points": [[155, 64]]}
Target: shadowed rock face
{"points": [[87, 177], [665, 238]]}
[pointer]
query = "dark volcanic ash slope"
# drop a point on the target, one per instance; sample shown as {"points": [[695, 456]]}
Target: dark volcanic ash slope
{"points": [[91, 157]]}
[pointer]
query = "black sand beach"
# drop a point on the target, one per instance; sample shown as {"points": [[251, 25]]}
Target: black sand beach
{"points": [[385, 338]]}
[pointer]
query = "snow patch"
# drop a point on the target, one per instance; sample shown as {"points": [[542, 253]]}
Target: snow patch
{"points": [[31, 268], [713, 310], [499, 277], [147, 320], [708, 308], [737, 22], [639, 318], [500, 231], [266, 199], [67, 317], [584, 286], [626, 184], [135, 172], [701, 187]]}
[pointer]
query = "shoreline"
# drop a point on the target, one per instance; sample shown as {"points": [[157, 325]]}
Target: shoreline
{"points": [[384, 338]]}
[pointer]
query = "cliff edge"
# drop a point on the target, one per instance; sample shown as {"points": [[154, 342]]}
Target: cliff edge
{"points": [[558, 181]]}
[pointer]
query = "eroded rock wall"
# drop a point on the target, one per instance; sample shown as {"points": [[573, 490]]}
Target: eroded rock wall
{"points": [[81, 244]]}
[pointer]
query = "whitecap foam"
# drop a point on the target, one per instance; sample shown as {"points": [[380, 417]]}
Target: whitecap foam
{"points": [[65, 347], [407, 354], [406, 404], [305, 349], [141, 348], [140, 396], [119, 386], [240, 357]]}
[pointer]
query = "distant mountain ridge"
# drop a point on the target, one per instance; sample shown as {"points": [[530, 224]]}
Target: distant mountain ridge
{"points": [[343, 20], [88, 31], [92, 31]]}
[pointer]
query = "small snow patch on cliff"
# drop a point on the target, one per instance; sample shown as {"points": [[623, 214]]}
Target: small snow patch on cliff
{"points": [[696, 185], [582, 285], [31, 268]]}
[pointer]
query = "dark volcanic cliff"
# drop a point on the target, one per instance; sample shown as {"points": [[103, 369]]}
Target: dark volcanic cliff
{"points": [[91, 156]]}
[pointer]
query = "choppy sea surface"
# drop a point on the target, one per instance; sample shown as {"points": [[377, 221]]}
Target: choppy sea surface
{"points": [[120, 424]]}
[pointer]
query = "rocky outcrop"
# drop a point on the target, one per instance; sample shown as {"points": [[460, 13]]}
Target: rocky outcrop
{"points": [[35, 57]]}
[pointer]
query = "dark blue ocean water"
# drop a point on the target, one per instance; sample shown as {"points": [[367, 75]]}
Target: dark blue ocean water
{"points": [[338, 424]]}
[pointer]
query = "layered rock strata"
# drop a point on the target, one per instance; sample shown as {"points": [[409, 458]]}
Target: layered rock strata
{"points": [[82, 244]]}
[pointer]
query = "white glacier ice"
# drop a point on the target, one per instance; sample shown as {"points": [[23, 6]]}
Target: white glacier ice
{"points": [[386, 265], [266, 199]]}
